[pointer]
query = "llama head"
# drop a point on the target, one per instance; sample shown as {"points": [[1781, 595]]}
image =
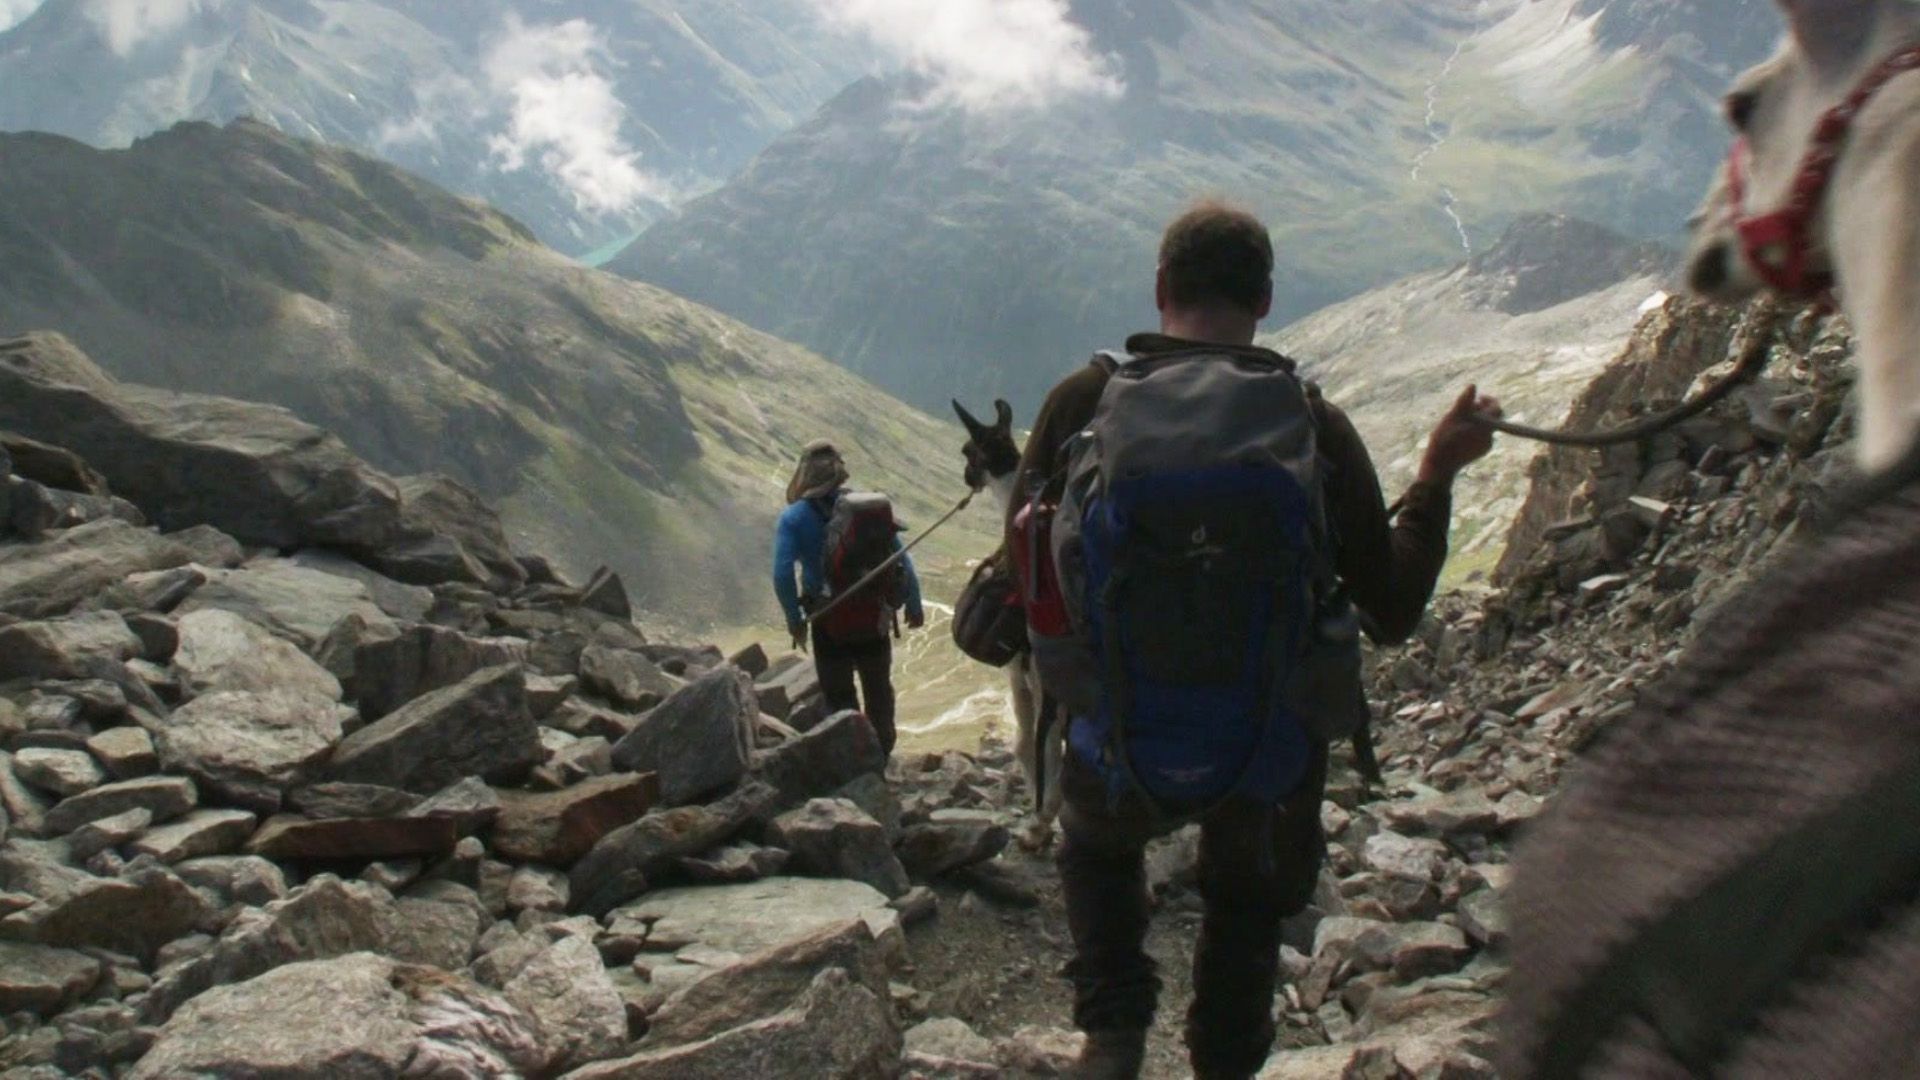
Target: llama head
{"points": [[1773, 109], [991, 452]]}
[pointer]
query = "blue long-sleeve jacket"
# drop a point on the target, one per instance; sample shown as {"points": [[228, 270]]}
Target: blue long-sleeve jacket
{"points": [[802, 538]]}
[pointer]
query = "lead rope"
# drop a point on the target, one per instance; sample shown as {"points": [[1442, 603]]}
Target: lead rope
{"points": [[892, 560], [1753, 360]]}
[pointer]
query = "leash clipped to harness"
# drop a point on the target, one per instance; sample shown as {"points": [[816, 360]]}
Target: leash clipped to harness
{"points": [[1753, 360], [892, 560], [1780, 247]]}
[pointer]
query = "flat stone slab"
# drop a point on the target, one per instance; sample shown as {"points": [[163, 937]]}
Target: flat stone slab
{"points": [[755, 916], [165, 797], [198, 835], [299, 604], [557, 828], [49, 578], [353, 838], [219, 651]]}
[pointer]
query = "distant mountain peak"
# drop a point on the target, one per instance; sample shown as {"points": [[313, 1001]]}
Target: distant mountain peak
{"points": [[1544, 260]]}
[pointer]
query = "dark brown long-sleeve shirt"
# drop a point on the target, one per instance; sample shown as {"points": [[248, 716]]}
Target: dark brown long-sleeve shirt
{"points": [[1389, 567]]}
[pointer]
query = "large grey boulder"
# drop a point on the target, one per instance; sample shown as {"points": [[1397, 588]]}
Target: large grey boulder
{"points": [[59, 772], [294, 602], [822, 761], [135, 914], [76, 647], [837, 1028], [697, 741], [50, 577], [566, 988], [628, 860], [325, 918], [407, 603], [478, 727], [219, 650], [353, 1017], [448, 534], [624, 677], [941, 847], [443, 921], [835, 838], [251, 748], [43, 979], [256, 472], [53, 466], [390, 672], [767, 982]]}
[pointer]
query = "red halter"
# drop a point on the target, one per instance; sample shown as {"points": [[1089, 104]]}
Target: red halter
{"points": [[1780, 246]]}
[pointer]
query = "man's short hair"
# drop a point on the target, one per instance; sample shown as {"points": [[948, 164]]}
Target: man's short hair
{"points": [[1217, 253]]}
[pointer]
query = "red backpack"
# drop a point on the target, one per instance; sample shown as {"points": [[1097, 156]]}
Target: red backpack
{"points": [[861, 535]]}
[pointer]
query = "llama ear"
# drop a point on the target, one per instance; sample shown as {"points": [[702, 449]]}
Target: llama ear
{"points": [[1004, 412], [1832, 29], [967, 420]]}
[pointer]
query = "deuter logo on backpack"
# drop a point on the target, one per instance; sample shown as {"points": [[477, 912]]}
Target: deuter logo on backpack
{"points": [[862, 534], [1207, 644]]}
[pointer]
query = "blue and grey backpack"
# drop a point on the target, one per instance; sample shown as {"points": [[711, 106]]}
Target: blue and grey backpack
{"points": [[1211, 644]]}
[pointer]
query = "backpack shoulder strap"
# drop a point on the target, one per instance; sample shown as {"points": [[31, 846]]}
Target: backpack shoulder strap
{"points": [[1111, 360]]}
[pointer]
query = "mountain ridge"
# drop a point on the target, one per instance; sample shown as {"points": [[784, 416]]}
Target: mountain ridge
{"points": [[615, 423], [660, 99], [936, 251]]}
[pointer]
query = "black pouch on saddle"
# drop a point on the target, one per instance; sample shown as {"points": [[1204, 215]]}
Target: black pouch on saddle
{"points": [[989, 624]]}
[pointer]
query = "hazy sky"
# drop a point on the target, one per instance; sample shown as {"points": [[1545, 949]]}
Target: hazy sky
{"points": [[546, 90], [12, 11]]}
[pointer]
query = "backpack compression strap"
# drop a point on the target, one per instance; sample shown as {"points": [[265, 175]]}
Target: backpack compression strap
{"points": [[1703, 974]]}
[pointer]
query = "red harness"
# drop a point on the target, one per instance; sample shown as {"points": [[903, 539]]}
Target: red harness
{"points": [[1780, 246]]}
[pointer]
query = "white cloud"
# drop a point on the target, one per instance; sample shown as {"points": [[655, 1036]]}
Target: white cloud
{"points": [[125, 24], [437, 103], [562, 113], [14, 12], [985, 54]]}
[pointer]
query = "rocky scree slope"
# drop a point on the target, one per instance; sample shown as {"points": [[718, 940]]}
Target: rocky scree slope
{"points": [[277, 729], [613, 423], [694, 89], [941, 251], [1532, 320]]}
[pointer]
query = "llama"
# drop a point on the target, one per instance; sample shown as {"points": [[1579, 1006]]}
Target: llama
{"points": [[1862, 232], [993, 464], [1713, 897]]}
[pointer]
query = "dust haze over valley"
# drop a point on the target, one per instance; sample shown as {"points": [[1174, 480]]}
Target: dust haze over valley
{"points": [[827, 217]]}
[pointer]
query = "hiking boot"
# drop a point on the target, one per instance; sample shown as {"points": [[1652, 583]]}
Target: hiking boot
{"points": [[1111, 1055]]}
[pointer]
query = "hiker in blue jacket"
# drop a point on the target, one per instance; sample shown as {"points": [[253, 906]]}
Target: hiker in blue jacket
{"points": [[854, 639]]}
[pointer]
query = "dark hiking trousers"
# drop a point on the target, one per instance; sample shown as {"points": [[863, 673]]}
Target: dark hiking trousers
{"points": [[839, 661], [1236, 964]]}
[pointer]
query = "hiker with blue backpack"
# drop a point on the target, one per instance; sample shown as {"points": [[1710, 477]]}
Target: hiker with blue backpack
{"points": [[854, 583], [1201, 535]]}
